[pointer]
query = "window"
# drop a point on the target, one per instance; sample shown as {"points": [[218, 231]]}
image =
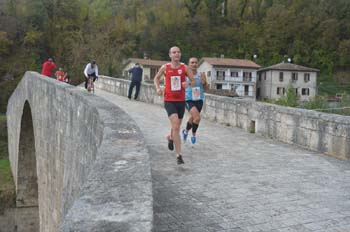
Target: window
{"points": [[234, 74], [305, 91], [280, 91], [153, 72], [260, 77], [218, 86], [306, 77], [294, 76], [264, 75], [281, 76], [246, 90], [296, 91], [126, 74], [247, 74], [220, 75], [208, 73]]}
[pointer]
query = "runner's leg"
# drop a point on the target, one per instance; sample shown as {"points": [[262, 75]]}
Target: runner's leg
{"points": [[175, 125], [196, 117]]}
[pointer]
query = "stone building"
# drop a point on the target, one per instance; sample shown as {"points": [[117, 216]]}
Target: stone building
{"points": [[231, 74], [273, 81]]}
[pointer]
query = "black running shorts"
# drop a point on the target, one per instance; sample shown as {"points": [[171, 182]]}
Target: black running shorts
{"points": [[175, 108], [198, 104]]}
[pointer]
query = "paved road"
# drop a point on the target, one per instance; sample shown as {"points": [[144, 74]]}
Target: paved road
{"points": [[236, 181]]}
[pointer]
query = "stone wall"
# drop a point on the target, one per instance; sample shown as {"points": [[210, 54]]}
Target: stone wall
{"points": [[20, 219], [93, 169], [321, 132]]}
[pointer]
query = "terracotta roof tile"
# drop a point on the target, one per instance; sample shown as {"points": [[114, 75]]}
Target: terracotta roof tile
{"points": [[146, 62], [230, 62], [289, 67]]}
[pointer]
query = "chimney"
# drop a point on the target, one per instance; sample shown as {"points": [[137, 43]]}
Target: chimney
{"points": [[145, 55]]}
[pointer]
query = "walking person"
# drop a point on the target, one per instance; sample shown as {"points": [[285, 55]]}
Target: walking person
{"points": [[91, 70], [136, 78], [174, 95], [194, 100], [48, 67]]}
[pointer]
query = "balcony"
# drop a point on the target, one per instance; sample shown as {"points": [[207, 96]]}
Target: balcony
{"points": [[247, 79], [221, 78]]}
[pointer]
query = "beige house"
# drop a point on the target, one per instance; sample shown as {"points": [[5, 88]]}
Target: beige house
{"points": [[150, 67], [273, 81], [231, 74]]}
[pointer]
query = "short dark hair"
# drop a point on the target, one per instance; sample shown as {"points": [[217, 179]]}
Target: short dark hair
{"points": [[93, 62], [137, 64]]}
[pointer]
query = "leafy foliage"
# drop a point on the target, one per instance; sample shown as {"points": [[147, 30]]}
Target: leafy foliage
{"points": [[313, 33], [289, 99], [319, 102]]}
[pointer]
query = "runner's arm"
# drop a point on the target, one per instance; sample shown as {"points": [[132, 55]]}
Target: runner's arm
{"points": [[190, 76], [157, 79], [204, 81]]}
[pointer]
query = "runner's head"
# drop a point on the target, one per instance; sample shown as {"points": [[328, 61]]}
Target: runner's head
{"points": [[193, 63], [175, 54], [93, 63]]}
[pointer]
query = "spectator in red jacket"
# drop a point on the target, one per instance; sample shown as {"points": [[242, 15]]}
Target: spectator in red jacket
{"points": [[48, 67]]}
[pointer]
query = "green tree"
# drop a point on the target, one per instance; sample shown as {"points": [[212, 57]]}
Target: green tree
{"points": [[290, 98], [5, 44]]}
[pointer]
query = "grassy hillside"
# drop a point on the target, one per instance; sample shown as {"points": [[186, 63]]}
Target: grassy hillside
{"points": [[330, 86]]}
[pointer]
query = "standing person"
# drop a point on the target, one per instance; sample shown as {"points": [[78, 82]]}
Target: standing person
{"points": [[136, 78], [60, 75], [194, 100], [48, 67], [174, 95], [91, 70]]}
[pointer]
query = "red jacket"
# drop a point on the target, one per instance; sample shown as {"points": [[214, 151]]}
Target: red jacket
{"points": [[48, 68]]}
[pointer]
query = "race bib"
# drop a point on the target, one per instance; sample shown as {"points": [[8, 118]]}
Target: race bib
{"points": [[175, 83], [196, 94]]}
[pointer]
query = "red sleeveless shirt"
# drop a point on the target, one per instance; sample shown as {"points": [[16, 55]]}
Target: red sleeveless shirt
{"points": [[173, 90]]}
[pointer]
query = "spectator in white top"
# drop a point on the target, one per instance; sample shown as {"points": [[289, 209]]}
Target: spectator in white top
{"points": [[91, 70]]}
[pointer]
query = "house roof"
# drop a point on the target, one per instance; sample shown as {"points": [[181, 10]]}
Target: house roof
{"points": [[146, 62], [230, 62], [289, 67]]}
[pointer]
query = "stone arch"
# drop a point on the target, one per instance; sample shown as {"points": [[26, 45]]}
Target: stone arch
{"points": [[27, 179]]}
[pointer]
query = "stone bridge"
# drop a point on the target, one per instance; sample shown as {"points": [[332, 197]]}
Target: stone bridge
{"points": [[94, 164], [80, 159]]}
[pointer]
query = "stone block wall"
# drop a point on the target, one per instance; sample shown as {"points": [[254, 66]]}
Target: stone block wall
{"points": [[321, 132], [93, 170]]}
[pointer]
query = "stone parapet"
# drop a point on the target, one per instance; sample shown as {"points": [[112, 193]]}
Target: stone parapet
{"points": [[321, 132]]}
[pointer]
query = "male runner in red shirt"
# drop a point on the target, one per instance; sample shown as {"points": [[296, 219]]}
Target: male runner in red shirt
{"points": [[175, 83]]}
